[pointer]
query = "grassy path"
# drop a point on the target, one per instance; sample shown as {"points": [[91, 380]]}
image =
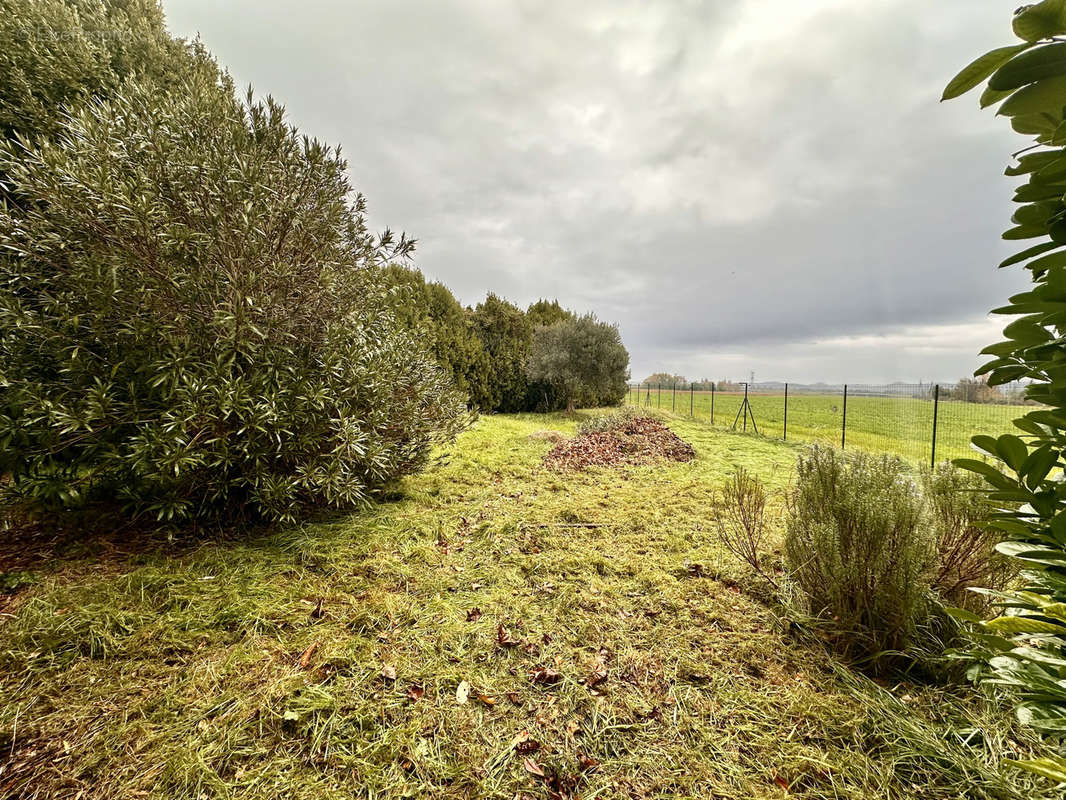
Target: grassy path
{"points": [[324, 661]]}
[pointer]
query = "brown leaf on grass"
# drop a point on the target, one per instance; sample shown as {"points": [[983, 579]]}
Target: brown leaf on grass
{"points": [[317, 612], [532, 767], [598, 674], [388, 672], [781, 782], [505, 639], [586, 762], [486, 700], [527, 746], [473, 615], [544, 676], [514, 698], [414, 694], [305, 657], [546, 638]]}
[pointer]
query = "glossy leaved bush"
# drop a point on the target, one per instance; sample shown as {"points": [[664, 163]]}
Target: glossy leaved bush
{"points": [[192, 316], [1024, 646]]}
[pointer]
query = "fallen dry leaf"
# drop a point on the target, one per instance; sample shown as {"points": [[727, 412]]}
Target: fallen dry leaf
{"points": [[505, 639], [544, 675], [586, 762], [414, 694], [781, 782], [527, 746], [484, 698], [388, 672], [318, 613], [462, 693], [533, 768], [514, 698], [305, 658], [598, 674], [473, 615]]}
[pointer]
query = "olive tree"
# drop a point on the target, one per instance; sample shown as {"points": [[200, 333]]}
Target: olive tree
{"points": [[583, 358]]}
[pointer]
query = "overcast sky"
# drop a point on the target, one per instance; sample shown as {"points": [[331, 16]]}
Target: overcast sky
{"points": [[767, 185]]}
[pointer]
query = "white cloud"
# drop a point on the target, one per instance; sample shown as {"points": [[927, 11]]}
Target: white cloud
{"points": [[723, 180]]}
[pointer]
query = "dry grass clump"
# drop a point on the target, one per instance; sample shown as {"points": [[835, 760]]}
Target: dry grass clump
{"points": [[966, 549]]}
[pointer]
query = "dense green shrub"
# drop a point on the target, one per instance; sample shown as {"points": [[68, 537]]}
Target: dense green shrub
{"points": [[859, 547], [431, 311], [191, 318], [507, 336], [59, 53], [965, 550]]}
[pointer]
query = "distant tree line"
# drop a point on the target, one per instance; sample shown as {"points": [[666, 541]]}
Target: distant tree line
{"points": [[666, 380], [488, 350], [978, 390]]}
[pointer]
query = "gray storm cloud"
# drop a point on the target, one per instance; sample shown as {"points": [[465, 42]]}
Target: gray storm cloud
{"points": [[739, 185]]}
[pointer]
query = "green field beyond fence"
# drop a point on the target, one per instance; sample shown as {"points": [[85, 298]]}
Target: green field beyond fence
{"points": [[897, 419]]}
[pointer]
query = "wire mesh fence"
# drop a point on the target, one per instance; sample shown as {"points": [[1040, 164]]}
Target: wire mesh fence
{"points": [[922, 422]]}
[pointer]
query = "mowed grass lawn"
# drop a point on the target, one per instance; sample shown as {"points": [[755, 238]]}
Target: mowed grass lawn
{"points": [[902, 426], [324, 661]]}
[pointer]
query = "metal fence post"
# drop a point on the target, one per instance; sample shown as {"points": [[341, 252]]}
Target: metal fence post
{"points": [[712, 404], [659, 397], [936, 409], [647, 396], [784, 434], [673, 407], [844, 424], [691, 400]]}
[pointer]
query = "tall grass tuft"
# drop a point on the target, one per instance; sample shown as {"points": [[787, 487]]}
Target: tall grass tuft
{"points": [[740, 520]]}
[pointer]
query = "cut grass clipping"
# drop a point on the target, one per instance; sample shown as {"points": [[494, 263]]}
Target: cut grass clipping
{"points": [[462, 640]]}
